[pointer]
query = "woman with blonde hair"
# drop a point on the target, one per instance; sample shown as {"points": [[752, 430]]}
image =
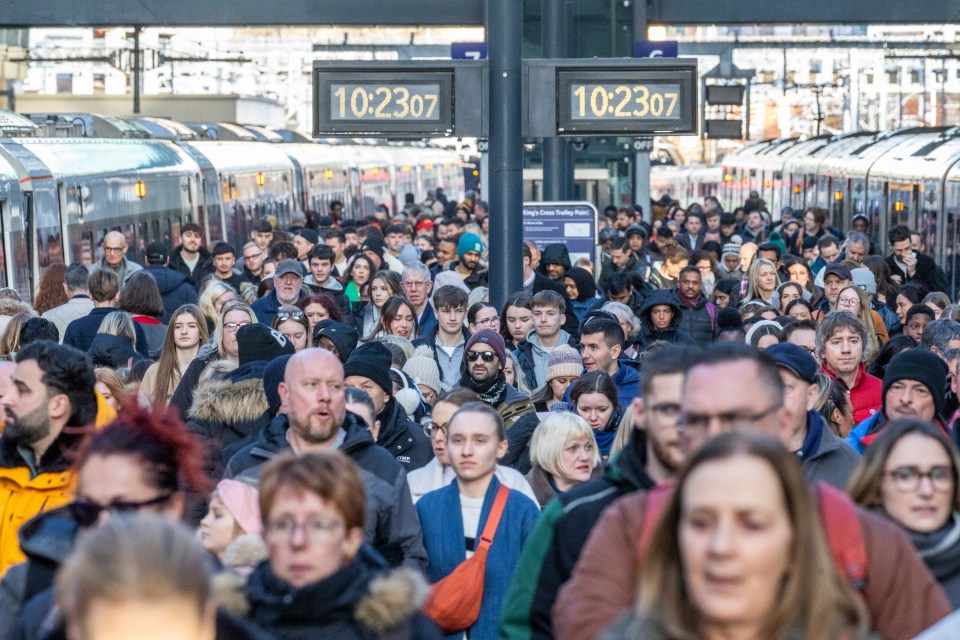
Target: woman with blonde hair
{"points": [[186, 333], [212, 300], [762, 281], [110, 386], [10, 340], [115, 344], [747, 491], [563, 454], [223, 346]]}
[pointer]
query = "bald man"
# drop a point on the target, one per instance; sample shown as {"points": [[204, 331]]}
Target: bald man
{"points": [[315, 418], [115, 258]]}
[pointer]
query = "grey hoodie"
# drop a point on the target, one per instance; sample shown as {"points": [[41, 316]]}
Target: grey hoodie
{"points": [[541, 354]]}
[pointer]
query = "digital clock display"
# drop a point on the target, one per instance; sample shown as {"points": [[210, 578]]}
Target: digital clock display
{"points": [[626, 101], [592, 101], [409, 103], [385, 102]]}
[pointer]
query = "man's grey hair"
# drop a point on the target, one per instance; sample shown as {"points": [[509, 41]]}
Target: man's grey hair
{"points": [[836, 320], [939, 333], [418, 267], [858, 237]]}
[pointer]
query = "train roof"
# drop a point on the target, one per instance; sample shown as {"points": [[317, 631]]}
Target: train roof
{"points": [[62, 157], [926, 155], [166, 129], [860, 158], [238, 156]]}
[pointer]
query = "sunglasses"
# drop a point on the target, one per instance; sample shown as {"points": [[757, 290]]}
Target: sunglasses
{"points": [[487, 356], [290, 315], [86, 513]]}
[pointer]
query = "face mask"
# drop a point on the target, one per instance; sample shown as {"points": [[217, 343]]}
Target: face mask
{"points": [[707, 284]]}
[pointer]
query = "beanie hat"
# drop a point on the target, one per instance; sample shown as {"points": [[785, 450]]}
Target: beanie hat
{"points": [[373, 244], [469, 242], [405, 345], [409, 254], [490, 338], [731, 248], [309, 235], [921, 365], [864, 278], [564, 361], [243, 503], [445, 278], [259, 342], [423, 369], [371, 361], [272, 377]]}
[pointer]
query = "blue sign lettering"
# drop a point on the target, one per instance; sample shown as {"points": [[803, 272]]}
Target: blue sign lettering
{"points": [[468, 51], [650, 49]]}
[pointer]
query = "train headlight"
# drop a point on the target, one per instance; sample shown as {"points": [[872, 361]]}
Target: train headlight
{"points": [[838, 196], [140, 189], [261, 179]]}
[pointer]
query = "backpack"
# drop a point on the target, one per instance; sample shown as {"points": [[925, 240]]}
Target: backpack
{"points": [[837, 511]]}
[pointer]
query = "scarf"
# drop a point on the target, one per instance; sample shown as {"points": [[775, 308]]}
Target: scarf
{"points": [[606, 437], [491, 391], [940, 549]]}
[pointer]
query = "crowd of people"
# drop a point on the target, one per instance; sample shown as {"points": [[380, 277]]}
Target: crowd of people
{"points": [[731, 427]]}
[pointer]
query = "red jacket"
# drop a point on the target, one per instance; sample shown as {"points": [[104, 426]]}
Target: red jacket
{"points": [[866, 394]]}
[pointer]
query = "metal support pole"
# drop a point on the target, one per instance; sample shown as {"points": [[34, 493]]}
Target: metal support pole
{"points": [[137, 69], [505, 39], [557, 154], [641, 161]]}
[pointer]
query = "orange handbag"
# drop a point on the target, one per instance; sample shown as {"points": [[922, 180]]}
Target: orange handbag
{"points": [[454, 602]]}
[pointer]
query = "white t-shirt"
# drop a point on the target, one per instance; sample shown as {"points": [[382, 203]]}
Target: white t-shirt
{"points": [[191, 263], [470, 509]]}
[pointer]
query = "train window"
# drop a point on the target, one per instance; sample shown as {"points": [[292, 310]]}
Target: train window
{"points": [[143, 237], [88, 248], [948, 256], [155, 235], [133, 243]]}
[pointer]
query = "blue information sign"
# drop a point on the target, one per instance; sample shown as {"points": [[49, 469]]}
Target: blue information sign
{"points": [[650, 49], [468, 51], [571, 223]]}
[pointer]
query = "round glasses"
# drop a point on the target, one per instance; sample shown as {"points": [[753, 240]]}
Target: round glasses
{"points": [[909, 478]]}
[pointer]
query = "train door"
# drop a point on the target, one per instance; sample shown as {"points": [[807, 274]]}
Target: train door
{"points": [[929, 205], [17, 253]]}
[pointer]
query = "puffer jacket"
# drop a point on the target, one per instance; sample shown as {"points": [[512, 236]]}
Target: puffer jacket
{"points": [[228, 410], [363, 600], [23, 494], [698, 319], [673, 333]]}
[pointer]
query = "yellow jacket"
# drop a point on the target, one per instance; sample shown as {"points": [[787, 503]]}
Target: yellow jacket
{"points": [[21, 497]]}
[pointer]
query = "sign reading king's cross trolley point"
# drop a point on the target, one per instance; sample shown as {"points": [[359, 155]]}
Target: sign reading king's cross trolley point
{"points": [[573, 224]]}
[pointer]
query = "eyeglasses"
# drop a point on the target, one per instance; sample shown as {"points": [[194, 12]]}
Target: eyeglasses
{"points": [[86, 513], [488, 356], [727, 421], [909, 478], [431, 428], [283, 316], [414, 285], [316, 530], [489, 322], [848, 302], [666, 409], [233, 326], [252, 256], [113, 249]]}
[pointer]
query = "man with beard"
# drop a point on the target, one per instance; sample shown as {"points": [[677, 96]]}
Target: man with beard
{"points": [[697, 314], [50, 399], [287, 283], [314, 419], [649, 458], [469, 267], [484, 357]]}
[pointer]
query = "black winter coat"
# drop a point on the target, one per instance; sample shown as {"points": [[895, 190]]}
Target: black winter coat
{"points": [[361, 601], [81, 332], [203, 267], [673, 333], [698, 320], [175, 289], [402, 437], [391, 523]]}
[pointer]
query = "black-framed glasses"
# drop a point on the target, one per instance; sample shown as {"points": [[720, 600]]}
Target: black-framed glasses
{"points": [[316, 530], [252, 256], [283, 316], [234, 326], [488, 356], [908, 478], [86, 512], [430, 428]]}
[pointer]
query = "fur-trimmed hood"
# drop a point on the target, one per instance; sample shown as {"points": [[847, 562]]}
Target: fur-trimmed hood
{"points": [[360, 598], [224, 401]]}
